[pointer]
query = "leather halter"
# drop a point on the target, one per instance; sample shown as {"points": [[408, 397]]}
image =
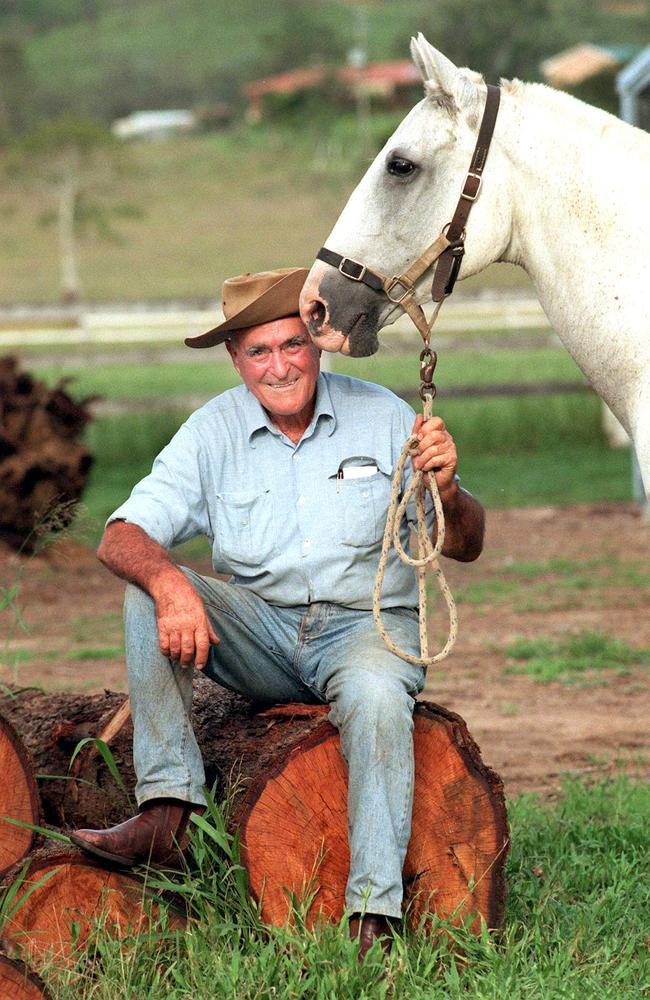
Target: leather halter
{"points": [[447, 249]]}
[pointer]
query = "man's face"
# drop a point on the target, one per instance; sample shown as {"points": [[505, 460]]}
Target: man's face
{"points": [[279, 364]]}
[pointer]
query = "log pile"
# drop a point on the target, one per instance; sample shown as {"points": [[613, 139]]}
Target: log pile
{"points": [[18, 982], [43, 466], [282, 770]]}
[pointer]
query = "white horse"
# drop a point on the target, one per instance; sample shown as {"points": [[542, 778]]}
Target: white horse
{"points": [[565, 194]]}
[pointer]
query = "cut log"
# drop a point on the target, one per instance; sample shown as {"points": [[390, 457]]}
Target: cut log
{"points": [[43, 467], [63, 893], [18, 982], [18, 798], [283, 771]]}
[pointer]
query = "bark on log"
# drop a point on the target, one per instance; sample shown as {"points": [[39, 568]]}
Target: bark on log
{"points": [[285, 776], [18, 982], [18, 798], [42, 464], [63, 894]]}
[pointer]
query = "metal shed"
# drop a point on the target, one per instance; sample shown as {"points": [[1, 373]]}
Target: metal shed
{"points": [[633, 88]]}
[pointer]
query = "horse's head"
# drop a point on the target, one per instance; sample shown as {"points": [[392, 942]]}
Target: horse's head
{"points": [[402, 203]]}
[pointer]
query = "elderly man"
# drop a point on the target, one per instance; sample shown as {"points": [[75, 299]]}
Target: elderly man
{"points": [[289, 476]]}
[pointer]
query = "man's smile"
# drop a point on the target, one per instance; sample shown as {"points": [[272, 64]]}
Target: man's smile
{"points": [[282, 385]]}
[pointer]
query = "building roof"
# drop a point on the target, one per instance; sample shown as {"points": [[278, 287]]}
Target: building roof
{"points": [[398, 72], [143, 123], [581, 62]]}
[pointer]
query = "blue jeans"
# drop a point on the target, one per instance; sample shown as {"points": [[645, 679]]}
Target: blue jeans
{"points": [[314, 653]]}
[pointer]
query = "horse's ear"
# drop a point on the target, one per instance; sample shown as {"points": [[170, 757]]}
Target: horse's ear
{"points": [[440, 73]]}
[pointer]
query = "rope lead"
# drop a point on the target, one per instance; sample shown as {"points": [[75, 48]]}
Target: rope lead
{"points": [[426, 551]]}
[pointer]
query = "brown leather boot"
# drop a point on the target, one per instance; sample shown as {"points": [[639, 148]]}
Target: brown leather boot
{"points": [[156, 836], [369, 928]]}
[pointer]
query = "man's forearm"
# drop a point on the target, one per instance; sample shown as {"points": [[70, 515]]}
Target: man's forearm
{"points": [[129, 552], [464, 525]]}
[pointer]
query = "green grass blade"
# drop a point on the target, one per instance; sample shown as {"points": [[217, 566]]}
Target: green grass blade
{"points": [[43, 830], [105, 751]]}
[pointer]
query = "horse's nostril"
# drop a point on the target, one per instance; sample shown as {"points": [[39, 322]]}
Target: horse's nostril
{"points": [[317, 315]]}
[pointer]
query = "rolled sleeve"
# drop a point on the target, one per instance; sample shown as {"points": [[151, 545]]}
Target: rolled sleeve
{"points": [[169, 503]]}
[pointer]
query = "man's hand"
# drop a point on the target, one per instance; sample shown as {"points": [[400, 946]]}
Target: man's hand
{"points": [[437, 453], [184, 631], [464, 516]]}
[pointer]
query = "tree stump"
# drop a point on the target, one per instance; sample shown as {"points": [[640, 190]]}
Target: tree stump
{"points": [[284, 774], [17, 982], [18, 798], [63, 893], [43, 467]]}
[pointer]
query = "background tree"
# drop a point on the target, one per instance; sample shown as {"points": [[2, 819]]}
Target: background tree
{"points": [[15, 86], [74, 161]]}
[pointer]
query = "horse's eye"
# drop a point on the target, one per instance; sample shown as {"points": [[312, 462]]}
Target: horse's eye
{"points": [[400, 167]]}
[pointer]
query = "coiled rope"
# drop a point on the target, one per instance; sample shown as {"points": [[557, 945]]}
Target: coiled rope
{"points": [[427, 552]]}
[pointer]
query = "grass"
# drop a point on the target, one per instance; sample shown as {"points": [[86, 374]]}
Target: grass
{"points": [[575, 925], [513, 451], [561, 583], [212, 373], [577, 659], [210, 206]]}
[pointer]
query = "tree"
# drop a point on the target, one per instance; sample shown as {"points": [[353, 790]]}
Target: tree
{"points": [[15, 85], [75, 161]]}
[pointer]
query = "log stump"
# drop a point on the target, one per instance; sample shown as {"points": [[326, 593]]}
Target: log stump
{"points": [[284, 774], [18, 982], [18, 798], [61, 896], [43, 467]]}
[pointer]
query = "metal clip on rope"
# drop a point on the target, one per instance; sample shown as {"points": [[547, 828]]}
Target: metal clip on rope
{"points": [[427, 552]]}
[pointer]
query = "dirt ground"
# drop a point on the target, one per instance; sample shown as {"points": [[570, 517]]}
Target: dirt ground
{"points": [[546, 573]]}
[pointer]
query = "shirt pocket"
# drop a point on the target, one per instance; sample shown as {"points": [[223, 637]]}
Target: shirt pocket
{"points": [[362, 505], [245, 526]]}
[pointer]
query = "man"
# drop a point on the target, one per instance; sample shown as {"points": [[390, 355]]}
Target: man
{"points": [[289, 475]]}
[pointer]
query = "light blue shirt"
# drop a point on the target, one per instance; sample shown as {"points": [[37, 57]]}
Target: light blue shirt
{"points": [[278, 518]]}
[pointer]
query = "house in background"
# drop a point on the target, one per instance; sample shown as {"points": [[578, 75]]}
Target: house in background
{"points": [[393, 83], [589, 72], [154, 124]]}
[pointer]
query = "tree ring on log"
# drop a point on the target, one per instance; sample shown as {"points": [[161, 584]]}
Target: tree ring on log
{"points": [[18, 797], [454, 866], [67, 893], [18, 982]]}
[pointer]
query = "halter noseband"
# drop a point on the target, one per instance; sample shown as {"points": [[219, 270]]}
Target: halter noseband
{"points": [[447, 249]]}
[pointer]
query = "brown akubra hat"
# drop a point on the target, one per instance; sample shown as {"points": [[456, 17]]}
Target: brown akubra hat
{"points": [[250, 299]]}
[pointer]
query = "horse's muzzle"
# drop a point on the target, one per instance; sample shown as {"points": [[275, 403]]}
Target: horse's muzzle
{"points": [[341, 316]]}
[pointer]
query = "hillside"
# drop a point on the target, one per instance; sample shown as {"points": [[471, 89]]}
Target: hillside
{"points": [[169, 53], [109, 57]]}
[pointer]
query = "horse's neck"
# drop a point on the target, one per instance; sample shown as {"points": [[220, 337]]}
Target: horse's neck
{"points": [[580, 226]]}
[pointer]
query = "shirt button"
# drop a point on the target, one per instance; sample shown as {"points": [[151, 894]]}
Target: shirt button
{"points": [[301, 501], [364, 493], [244, 521], [306, 543]]}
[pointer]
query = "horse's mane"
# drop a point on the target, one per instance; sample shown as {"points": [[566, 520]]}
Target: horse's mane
{"points": [[606, 126]]}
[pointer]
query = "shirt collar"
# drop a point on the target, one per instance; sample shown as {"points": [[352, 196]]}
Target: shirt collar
{"points": [[257, 419]]}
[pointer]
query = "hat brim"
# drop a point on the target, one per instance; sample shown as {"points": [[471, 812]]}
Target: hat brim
{"points": [[281, 299]]}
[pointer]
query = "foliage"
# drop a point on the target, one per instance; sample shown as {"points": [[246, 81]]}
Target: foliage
{"points": [[107, 57], [573, 659], [74, 159], [574, 927], [15, 86]]}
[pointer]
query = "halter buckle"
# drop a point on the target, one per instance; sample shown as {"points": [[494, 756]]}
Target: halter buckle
{"points": [[475, 181], [397, 281], [355, 263]]}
